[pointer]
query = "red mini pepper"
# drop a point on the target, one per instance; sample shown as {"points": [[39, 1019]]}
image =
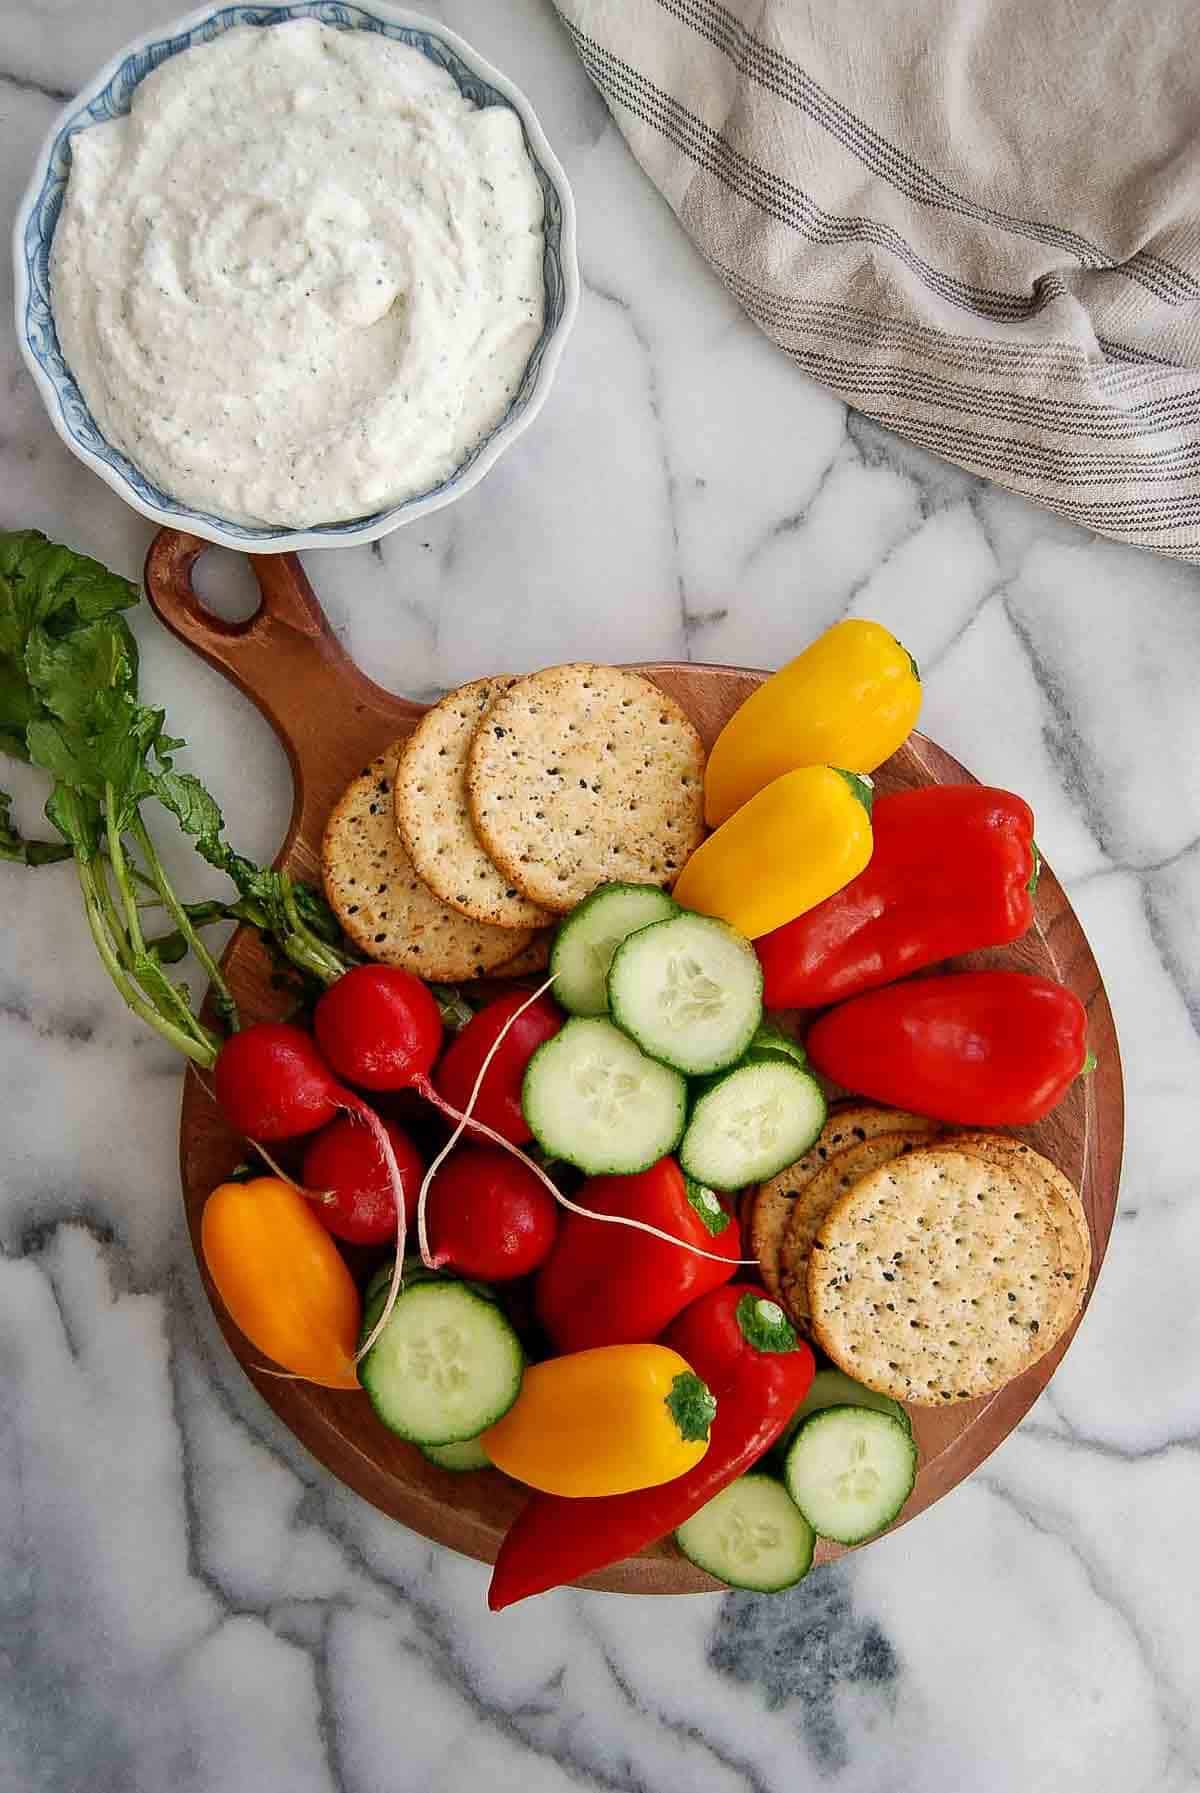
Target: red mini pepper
{"points": [[611, 1285], [739, 1342], [954, 869], [499, 1104], [982, 1048]]}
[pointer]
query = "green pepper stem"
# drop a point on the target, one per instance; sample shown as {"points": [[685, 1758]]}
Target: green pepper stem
{"points": [[764, 1325], [862, 786], [692, 1406], [704, 1203]]}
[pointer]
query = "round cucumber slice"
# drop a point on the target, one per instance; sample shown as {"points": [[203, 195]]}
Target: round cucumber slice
{"points": [[832, 1387], [592, 1097], [751, 1535], [689, 991], [850, 1470], [467, 1455], [446, 1365], [587, 939], [751, 1122]]}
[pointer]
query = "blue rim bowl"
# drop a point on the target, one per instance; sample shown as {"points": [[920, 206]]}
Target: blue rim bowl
{"points": [[108, 96]]}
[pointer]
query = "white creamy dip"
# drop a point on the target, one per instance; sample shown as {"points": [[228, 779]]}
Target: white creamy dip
{"points": [[303, 277]]}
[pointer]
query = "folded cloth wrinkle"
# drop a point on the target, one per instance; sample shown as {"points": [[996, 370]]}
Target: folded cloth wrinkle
{"points": [[977, 221]]}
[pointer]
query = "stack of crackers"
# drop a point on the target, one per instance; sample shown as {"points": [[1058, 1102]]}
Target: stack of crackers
{"points": [[455, 852], [931, 1266]]}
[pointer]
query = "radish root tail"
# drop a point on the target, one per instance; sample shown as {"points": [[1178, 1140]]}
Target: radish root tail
{"points": [[363, 1112], [464, 1119]]}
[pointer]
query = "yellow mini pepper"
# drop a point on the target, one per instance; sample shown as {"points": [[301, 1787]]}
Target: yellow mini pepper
{"points": [[850, 699], [605, 1421], [792, 845], [282, 1278]]}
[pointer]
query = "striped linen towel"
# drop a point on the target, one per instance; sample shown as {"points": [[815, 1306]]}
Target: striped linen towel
{"points": [[978, 221]]}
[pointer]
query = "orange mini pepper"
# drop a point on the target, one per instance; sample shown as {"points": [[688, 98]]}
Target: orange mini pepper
{"points": [[283, 1279]]}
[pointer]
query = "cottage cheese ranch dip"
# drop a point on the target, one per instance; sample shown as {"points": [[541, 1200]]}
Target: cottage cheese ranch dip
{"points": [[303, 277]]}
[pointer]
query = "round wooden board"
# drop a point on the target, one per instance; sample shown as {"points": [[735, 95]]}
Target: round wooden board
{"points": [[332, 720]]}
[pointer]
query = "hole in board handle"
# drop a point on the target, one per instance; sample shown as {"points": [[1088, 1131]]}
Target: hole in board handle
{"points": [[225, 585]]}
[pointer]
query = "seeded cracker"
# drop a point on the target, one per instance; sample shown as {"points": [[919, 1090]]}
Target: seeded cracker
{"points": [[771, 1204], [382, 904], [937, 1278], [1057, 1192], [840, 1173], [434, 819], [532, 958], [583, 775]]}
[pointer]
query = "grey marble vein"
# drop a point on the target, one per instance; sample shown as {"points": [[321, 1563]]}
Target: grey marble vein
{"points": [[26, 84]]}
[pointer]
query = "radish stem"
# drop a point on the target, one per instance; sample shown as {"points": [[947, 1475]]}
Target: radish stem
{"points": [[221, 991], [97, 905], [303, 947], [140, 964], [278, 1170], [116, 857]]}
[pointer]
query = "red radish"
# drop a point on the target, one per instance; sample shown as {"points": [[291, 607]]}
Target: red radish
{"points": [[498, 1104], [489, 1216], [273, 1084], [350, 1187], [379, 1028]]}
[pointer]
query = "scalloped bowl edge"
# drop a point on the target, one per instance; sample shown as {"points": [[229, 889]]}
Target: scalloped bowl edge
{"points": [[58, 390]]}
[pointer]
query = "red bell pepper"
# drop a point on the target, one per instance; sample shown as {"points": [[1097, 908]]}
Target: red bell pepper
{"points": [[954, 868], [982, 1048], [739, 1342], [499, 1104], [611, 1285]]}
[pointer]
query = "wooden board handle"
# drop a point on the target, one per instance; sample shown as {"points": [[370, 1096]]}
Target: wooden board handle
{"points": [[262, 655], [286, 660]]}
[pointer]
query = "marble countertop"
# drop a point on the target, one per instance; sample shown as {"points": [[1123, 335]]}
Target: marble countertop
{"points": [[186, 1600]]}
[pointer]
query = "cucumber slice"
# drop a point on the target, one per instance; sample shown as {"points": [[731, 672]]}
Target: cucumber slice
{"points": [[586, 941], [469, 1454], [750, 1535], [591, 1097], [752, 1122], [689, 991], [446, 1365], [381, 1281], [850, 1470], [414, 1272], [833, 1388]]}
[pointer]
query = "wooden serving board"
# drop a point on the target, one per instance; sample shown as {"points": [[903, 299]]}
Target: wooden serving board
{"points": [[332, 720]]}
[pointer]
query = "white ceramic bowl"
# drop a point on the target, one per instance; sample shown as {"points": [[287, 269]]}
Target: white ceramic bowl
{"points": [[108, 96]]}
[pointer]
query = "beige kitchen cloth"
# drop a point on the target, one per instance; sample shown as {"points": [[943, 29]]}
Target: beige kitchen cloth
{"points": [[978, 221]]}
